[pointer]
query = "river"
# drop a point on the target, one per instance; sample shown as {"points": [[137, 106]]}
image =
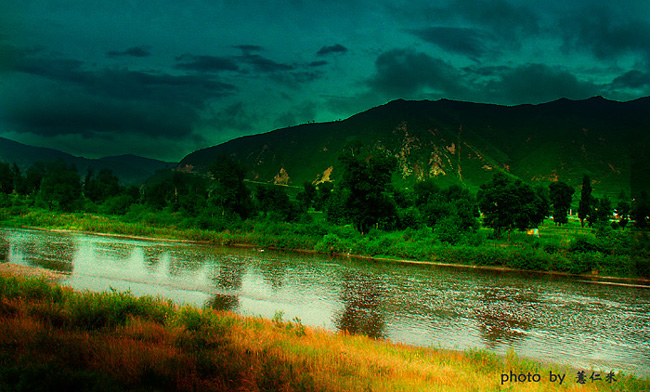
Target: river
{"points": [[559, 319]]}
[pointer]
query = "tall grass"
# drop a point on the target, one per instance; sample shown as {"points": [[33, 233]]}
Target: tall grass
{"points": [[54, 339]]}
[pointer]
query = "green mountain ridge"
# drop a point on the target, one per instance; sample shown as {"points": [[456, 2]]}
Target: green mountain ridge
{"points": [[460, 143], [130, 169]]}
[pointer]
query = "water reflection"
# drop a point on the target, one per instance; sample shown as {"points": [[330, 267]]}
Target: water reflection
{"points": [[274, 272], [4, 247], [151, 257], [362, 297], [230, 274], [503, 314], [114, 251], [55, 253], [223, 302]]}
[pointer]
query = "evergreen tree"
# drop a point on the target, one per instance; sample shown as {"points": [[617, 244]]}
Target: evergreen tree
{"points": [[585, 205]]}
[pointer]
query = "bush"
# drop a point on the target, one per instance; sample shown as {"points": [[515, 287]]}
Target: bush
{"points": [[32, 289], [582, 263], [331, 243], [448, 230], [117, 205], [582, 244], [103, 310]]}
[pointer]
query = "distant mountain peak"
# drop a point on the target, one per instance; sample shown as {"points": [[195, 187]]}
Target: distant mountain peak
{"points": [[559, 140], [129, 168]]}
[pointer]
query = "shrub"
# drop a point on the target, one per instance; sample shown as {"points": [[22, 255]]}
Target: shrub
{"points": [[583, 244], [331, 243], [102, 310]]}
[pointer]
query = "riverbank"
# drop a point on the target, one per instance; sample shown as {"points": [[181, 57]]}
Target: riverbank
{"points": [[482, 257], [12, 269], [50, 335]]}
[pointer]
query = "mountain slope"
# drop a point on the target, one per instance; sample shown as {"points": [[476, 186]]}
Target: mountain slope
{"points": [[131, 169], [459, 142]]}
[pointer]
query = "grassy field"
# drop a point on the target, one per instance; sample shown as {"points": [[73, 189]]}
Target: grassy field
{"points": [[54, 339]]}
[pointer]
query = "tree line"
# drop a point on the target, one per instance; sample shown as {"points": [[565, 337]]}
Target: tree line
{"points": [[363, 197]]}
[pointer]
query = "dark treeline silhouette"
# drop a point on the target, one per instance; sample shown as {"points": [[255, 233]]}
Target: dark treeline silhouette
{"points": [[364, 198]]}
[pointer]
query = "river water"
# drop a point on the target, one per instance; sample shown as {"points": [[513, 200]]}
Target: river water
{"points": [[564, 320]]}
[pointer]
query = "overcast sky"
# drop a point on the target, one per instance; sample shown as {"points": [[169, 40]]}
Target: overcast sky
{"points": [[164, 78]]}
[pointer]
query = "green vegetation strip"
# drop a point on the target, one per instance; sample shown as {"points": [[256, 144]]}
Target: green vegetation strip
{"points": [[568, 249], [54, 339]]}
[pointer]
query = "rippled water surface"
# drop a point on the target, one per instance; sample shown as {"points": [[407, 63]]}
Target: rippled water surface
{"points": [[557, 319]]}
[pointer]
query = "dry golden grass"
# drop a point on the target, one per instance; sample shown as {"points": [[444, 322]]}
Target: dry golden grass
{"points": [[204, 350]]}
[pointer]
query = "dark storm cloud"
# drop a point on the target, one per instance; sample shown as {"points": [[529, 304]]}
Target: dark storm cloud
{"points": [[632, 79], [297, 79], [506, 21], [606, 33], [54, 114], [123, 83], [264, 65], [326, 50], [537, 83], [247, 49], [237, 117], [74, 99], [136, 51], [258, 62], [405, 73], [461, 40], [50, 67], [205, 63], [319, 63]]}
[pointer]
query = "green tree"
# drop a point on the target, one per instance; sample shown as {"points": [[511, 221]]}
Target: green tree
{"points": [[561, 195], [508, 204], [105, 185], [6, 178], [19, 180], [365, 188], [229, 193], [602, 210], [641, 211], [183, 192], [61, 186], [323, 193], [452, 205], [623, 210], [33, 179], [585, 205], [307, 197], [274, 201]]}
